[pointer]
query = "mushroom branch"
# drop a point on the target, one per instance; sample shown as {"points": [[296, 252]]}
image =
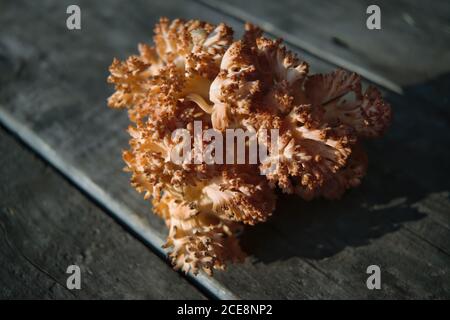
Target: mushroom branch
{"points": [[196, 71]]}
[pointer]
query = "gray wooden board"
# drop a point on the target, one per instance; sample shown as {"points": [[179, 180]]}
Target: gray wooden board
{"points": [[412, 47], [53, 94], [46, 225]]}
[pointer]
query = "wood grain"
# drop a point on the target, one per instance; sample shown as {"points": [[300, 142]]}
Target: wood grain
{"points": [[53, 95]]}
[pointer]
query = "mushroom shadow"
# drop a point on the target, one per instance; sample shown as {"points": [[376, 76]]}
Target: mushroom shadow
{"points": [[410, 162]]}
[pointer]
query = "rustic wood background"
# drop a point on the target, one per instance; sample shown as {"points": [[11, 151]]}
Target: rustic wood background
{"points": [[65, 200]]}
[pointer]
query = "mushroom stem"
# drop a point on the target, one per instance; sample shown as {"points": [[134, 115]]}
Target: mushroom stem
{"points": [[200, 102]]}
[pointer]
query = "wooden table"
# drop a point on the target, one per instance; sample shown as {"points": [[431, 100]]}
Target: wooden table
{"points": [[64, 199]]}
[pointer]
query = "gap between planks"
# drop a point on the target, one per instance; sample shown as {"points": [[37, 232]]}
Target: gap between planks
{"points": [[117, 210], [298, 43]]}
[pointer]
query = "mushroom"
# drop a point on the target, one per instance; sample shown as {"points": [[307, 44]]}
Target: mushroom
{"points": [[197, 72]]}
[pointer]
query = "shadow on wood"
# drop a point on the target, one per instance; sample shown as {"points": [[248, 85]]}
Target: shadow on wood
{"points": [[406, 166]]}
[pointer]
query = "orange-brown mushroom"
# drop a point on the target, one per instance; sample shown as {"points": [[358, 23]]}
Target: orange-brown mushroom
{"points": [[197, 72]]}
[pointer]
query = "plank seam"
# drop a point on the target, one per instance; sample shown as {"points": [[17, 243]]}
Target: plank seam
{"points": [[118, 211], [310, 48]]}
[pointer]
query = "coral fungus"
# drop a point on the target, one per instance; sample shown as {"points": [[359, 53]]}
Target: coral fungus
{"points": [[197, 72]]}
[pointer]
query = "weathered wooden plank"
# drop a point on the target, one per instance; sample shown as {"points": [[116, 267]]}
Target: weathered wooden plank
{"points": [[55, 99], [46, 225], [411, 48]]}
